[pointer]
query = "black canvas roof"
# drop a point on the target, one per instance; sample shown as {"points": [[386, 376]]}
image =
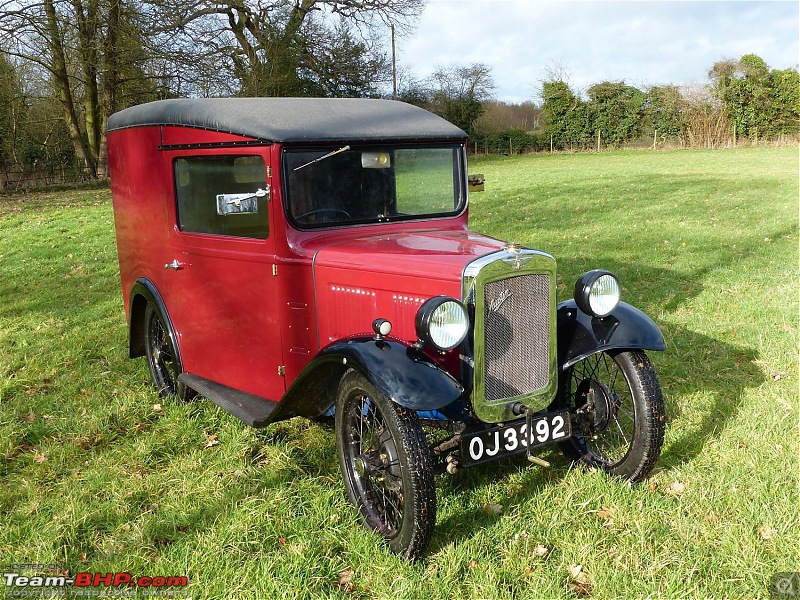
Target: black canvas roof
{"points": [[294, 119]]}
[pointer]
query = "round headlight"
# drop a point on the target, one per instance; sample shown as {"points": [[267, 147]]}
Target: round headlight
{"points": [[597, 293], [442, 322]]}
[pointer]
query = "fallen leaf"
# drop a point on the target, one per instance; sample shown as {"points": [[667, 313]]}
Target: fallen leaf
{"points": [[345, 583], [29, 418], [577, 574], [581, 589], [493, 509], [156, 408], [711, 518], [676, 488], [211, 440], [282, 541], [540, 551], [607, 514], [767, 532], [472, 564], [580, 583], [39, 458]]}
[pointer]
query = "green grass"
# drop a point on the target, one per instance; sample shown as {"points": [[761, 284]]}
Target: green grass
{"points": [[99, 474]]}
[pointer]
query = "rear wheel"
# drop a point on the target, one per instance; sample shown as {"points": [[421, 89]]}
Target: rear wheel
{"points": [[162, 359], [386, 465], [619, 412]]}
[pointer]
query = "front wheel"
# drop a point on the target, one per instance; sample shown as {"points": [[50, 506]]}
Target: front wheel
{"points": [[619, 412], [386, 465]]}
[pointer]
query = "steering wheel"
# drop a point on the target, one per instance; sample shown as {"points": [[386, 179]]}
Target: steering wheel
{"points": [[323, 210]]}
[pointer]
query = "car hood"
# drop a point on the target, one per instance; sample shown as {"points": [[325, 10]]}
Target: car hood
{"points": [[437, 254], [390, 276]]}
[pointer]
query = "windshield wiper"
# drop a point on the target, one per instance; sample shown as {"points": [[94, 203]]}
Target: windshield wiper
{"points": [[323, 157]]}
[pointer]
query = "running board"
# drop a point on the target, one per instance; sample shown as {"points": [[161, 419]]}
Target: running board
{"points": [[253, 410]]}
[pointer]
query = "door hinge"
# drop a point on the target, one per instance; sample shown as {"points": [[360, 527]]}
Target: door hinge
{"points": [[281, 370], [275, 270]]}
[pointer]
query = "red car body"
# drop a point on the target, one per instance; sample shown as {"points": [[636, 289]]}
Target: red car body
{"points": [[260, 338], [288, 257]]}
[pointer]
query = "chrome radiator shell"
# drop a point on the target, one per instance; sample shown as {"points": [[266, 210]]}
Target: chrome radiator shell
{"points": [[511, 298]]}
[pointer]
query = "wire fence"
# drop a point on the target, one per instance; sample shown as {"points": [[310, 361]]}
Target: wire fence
{"points": [[515, 142], [40, 177]]}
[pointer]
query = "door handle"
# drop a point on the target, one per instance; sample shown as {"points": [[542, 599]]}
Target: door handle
{"points": [[174, 265]]}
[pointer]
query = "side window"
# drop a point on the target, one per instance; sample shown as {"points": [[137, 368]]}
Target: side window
{"points": [[222, 195]]}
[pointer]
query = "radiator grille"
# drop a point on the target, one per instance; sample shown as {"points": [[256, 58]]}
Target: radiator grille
{"points": [[517, 336]]}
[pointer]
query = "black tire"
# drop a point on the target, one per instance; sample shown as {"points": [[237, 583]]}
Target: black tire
{"points": [[620, 413], [162, 359], [386, 465]]}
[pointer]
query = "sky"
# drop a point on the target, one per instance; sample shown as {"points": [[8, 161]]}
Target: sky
{"points": [[643, 42]]}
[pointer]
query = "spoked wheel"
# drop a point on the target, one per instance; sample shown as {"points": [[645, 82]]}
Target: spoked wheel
{"points": [[162, 358], [386, 465], [619, 412]]}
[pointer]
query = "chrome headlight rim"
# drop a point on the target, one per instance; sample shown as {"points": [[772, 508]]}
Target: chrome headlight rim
{"points": [[437, 313], [598, 292]]}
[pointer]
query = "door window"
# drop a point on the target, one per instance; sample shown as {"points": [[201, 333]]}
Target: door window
{"points": [[222, 195]]}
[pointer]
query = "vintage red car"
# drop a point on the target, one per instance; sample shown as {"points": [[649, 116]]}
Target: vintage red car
{"points": [[291, 257]]}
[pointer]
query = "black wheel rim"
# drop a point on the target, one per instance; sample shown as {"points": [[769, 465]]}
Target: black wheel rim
{"points": [[610, 441], [162, 359], [373, 465]]}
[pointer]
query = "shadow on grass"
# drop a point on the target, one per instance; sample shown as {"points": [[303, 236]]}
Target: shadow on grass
{"points": [[704, 381], [703, 378]]}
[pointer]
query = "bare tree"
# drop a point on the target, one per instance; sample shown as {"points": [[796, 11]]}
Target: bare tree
{"points": [[458, 93], [81, 48], [705, 122], [304, 47]]}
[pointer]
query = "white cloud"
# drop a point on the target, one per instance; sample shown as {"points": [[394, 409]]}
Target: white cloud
{"points": [[644, 42]]}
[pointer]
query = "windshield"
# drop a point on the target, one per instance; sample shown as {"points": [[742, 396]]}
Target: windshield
{"points": [[340, 185]]}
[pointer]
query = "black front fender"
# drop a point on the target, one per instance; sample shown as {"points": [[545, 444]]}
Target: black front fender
{"points": [[581, 335], [401, 373]]}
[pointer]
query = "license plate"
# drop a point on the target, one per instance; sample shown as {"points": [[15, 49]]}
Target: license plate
{"points": [[514, 438]]}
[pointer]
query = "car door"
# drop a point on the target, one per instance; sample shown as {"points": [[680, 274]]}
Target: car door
{"points": [[222, 292]]}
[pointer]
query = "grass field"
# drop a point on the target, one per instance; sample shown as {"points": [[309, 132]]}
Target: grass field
{"points": [[99, 474]]}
